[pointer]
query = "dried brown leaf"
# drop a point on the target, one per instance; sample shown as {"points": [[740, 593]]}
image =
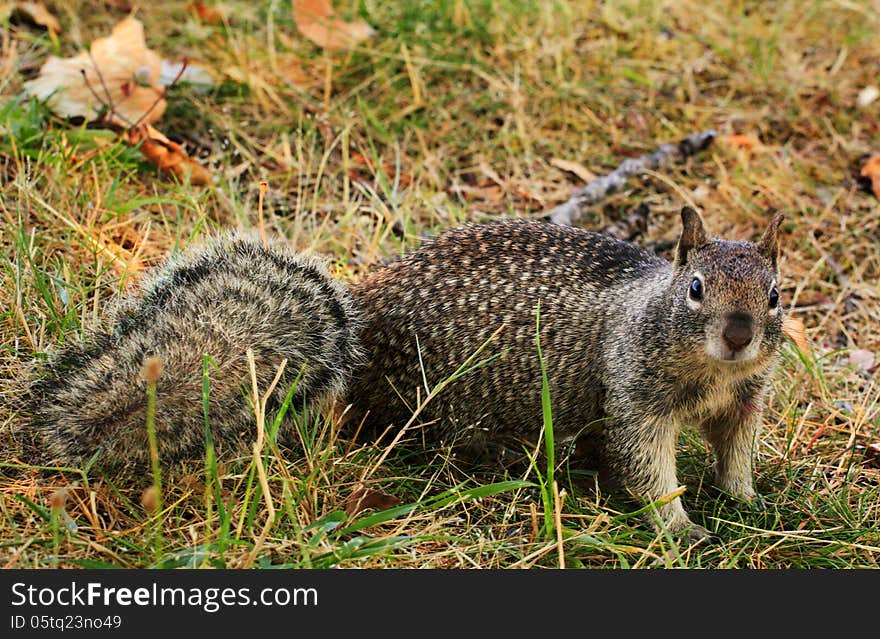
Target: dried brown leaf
{"points": [[204, 13], [36, 12], [742, 141], [794, 330], [150, 499], [167, 155], [490, 193], [121, 74], [585, 174], [867, 96], [317, 21], [871, 170], [862, 359], [58, 499], [362, 498]]}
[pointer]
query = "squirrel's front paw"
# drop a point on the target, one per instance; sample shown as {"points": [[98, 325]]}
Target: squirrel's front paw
{"points": [[697, 534], [686, 530], [752, 500], [739, 490], [757, 503]]}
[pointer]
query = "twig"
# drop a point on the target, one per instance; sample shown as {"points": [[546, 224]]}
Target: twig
{"points": [[557, 516], [109, 103], [600, 188], [104, 86], [259, 406], [111, 115], [263, 188], [151, 372]]}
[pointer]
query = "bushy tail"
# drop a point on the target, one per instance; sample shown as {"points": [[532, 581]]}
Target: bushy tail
{"points": [[222, 298]]}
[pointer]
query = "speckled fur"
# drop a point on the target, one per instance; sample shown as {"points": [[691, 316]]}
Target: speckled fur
{"points": [[222, 299], [628, 357], [625, 354]]}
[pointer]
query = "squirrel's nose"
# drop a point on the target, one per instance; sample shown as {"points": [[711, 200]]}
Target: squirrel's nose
{"points": [[737, 332]]}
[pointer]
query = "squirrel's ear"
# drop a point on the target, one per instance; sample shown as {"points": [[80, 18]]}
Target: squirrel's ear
{"points": [[693, 235], [769, 244]]}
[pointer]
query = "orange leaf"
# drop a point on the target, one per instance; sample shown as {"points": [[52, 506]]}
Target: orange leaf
{"points": [[205, 13], [585, 174], [742, 141], [871, 170], [119, 73], [794, 330], [492, 193], [167, 155], [362, 498], [36, 12], [317, 21]]}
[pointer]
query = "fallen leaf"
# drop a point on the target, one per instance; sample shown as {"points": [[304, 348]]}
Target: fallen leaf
{"points": [[794, 330], [488, 192], [36, 12], [526, 194], [362, 498], [58, 499], [867, 96], [742, 141], [317, 21], [57, 502], [585, 174], [119, 81], [871, 170], [150, 499], [860, 358], [117, 77], [205, 13], [167, 155]]}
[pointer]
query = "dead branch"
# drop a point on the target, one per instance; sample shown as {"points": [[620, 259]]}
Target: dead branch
{"points": [[600, 188]]}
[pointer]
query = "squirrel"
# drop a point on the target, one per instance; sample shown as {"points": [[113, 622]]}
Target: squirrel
{"points": [[633, 345]]}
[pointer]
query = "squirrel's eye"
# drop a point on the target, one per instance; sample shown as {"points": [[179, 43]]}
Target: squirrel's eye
{"points": [[774, 297], [696, 290]]}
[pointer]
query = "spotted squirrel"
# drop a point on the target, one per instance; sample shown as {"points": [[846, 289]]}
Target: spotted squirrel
{"points": [[633, 346]]}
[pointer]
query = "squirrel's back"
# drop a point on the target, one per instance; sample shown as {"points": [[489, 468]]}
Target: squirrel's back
{"points": [[427, 313], [220, 299]]}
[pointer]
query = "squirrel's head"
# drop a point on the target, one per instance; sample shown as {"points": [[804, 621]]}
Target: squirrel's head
{"points": [[725, 292]]}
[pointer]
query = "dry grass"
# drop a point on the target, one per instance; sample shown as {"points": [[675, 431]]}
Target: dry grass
{"points": [[452, 114]]}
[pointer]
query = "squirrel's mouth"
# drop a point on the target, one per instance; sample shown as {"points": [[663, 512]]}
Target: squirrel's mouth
{"points": [[718, 351]]}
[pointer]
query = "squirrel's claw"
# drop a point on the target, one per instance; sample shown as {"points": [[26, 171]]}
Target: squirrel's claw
{"points": [[758, 504], [697, 534]]}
